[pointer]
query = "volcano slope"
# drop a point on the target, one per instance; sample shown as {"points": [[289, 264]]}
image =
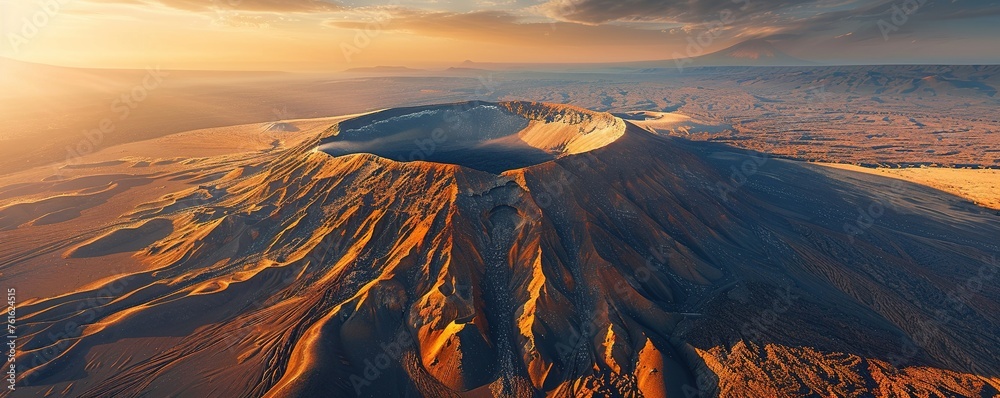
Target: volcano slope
{"points": [[512, 249]]}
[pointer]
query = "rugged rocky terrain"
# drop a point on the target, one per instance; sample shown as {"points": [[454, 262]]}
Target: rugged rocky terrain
{"points": [[595, 259]]}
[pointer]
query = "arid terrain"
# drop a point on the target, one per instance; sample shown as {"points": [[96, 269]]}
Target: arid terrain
{"points": [[517, 249], [980, 186], [500, 199], [883, 115]]}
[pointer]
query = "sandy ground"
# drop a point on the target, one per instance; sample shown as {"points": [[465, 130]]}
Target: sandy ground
{"points": [[981, 186], [673, 123], [96, 191], [238, 261]]}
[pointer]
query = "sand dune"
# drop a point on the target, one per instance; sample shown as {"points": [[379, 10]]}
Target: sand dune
{"points": [[125, 239], [672, 123]]}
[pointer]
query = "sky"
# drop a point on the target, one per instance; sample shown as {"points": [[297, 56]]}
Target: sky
{"points": [[321, 35]]}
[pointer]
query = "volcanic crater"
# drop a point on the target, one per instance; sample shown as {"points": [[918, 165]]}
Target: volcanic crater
{"points": [[491, 137]]}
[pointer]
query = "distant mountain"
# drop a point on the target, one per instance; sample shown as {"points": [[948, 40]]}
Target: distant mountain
{"points": [[748, 53], [467, 71], [941, 84], [384, 69], [757, 52]]}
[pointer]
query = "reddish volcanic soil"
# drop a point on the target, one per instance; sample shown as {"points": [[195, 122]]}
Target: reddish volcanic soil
{"points": [[593, 258]]}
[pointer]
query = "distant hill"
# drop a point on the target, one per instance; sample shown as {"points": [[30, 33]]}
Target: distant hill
{"points": [[384, 69], [460, 70], [750, 53], [757, 52]]}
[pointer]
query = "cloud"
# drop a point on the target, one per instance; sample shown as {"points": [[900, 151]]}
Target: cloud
{"points": [[602, 11], [500, 27], [805, 28], [242, 5], [788, 20]]}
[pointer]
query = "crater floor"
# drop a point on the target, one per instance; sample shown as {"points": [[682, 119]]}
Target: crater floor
{"points": [[491, 137]]}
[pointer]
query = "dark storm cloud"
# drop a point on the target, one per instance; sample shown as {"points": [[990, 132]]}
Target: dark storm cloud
{"points": [[601, 11], [779, 17]]}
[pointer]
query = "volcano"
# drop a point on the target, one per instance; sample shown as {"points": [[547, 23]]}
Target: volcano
{"points": [[509, 249], [757, 52]]}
